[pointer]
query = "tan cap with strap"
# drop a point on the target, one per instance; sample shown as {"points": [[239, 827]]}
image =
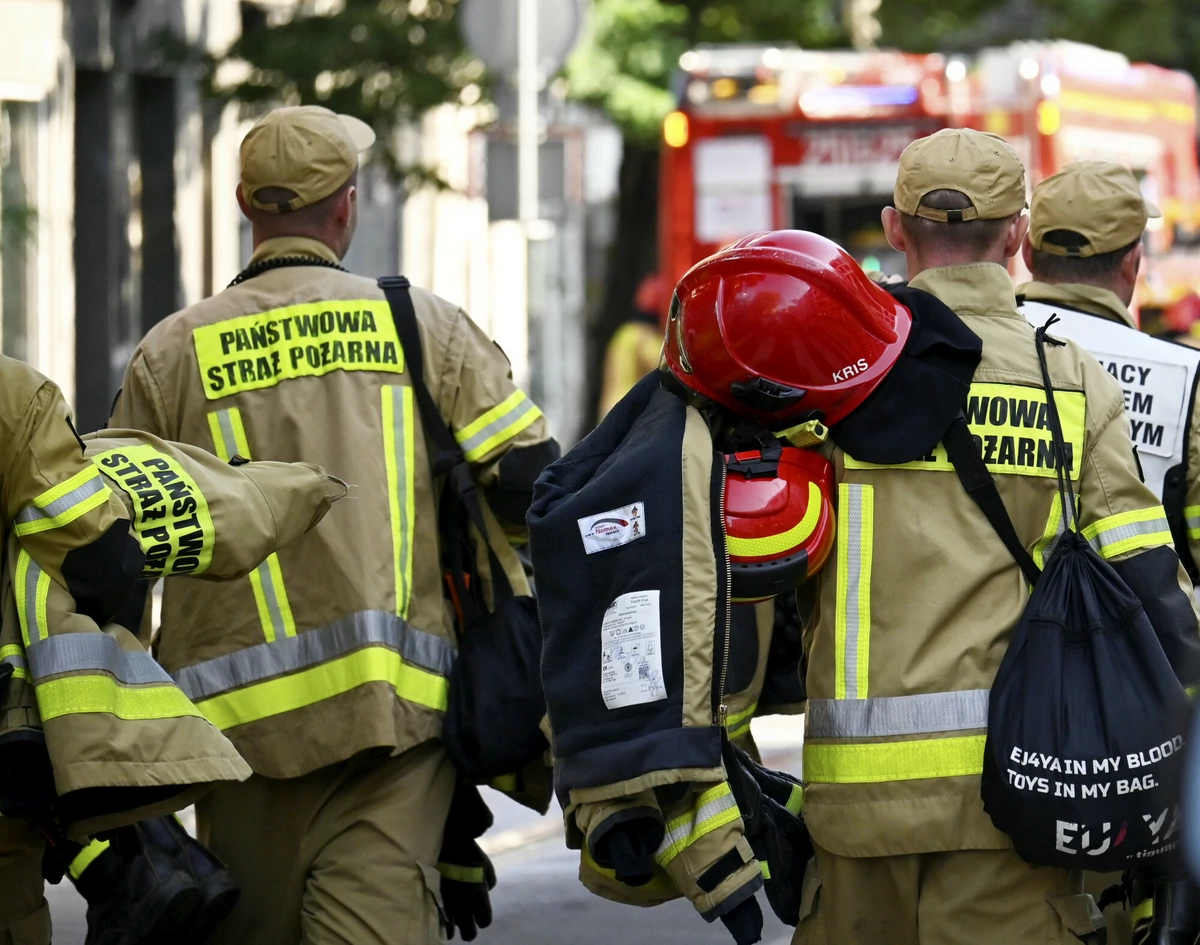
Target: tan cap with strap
{"points": [[305, 149], [980, 165], [1099, 200]]}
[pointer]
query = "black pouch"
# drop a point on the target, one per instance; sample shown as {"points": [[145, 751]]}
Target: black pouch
{"points": [[496, 705], [1087, 718]]}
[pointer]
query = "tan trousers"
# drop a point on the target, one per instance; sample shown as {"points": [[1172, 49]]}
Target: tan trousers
{"points": [[969, 897], [24, 913], [346, 855]]}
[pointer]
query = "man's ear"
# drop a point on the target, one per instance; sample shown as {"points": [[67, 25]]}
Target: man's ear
{"points": [[1015, 235], [893, 229], [346, 202], [243, 202], [1131, 264], [1027, 252]]}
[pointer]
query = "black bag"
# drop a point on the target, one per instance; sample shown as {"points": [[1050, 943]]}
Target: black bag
{"points": [[492, 724], [1087, 718]]}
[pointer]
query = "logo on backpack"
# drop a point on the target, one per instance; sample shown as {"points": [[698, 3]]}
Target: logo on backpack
{"points": [[613, 528]]}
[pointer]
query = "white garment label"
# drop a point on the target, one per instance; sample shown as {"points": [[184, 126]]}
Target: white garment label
{"points": [[631, 651], [1154, 399], [613, 529]]}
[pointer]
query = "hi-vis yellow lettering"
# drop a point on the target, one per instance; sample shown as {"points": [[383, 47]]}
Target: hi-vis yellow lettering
{"points": [[1011, 424], [256, 351], [171, 518]]}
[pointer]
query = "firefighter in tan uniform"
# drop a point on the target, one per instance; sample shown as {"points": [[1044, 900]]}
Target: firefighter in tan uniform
{"points": [[70, 561], [911, 624], [1084, 248], [328, 666]]}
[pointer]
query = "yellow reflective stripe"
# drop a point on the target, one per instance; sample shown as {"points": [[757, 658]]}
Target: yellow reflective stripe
{"points": [[266, 581], [399, 455], [1191, 516], [738, 717], [79, 695], [1129, 531], [252, 352], [63, 504], [714, 808], [893, 761], [795, 801], [764, 869], [784, 541], [318, 683], [85, 857], [1054, 530], [497, 426], [505, 782], [32, 588], [1143, 911], [852, 624], [659, 882], [14, 656], [462, 874]]}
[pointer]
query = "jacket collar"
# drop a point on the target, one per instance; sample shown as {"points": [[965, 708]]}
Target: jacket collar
{"points": [[292, 246], [972, 289], [1091, 299]]}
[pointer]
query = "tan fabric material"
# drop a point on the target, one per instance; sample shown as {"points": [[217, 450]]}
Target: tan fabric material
{"points": [[969, 897], [976, 163], [944, 593], [344, 854], [24, 912], [1118, 917], [253, 509], [1099, 200], [1085, 298], [347, 567]]}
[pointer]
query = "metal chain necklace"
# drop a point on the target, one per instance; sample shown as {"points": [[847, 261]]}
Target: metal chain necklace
{"points": [[282, 262]]}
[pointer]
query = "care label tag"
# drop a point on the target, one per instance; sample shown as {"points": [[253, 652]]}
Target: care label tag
{"points": [[614, 528], [631, 651]]}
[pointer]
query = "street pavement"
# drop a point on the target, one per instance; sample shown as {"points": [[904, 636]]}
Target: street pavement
{"points": [[538, 899]]}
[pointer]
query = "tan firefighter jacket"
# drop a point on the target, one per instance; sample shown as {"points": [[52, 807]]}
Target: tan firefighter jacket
{"points": [[111, 717], [342, 641], [915, 609]]}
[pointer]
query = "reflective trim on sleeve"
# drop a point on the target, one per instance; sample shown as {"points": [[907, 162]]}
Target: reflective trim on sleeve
{"points": [[64, 503], [893, 761], [712, 809], [85, 857], [399, 454], [886, 716], [93, 652], [266, 581], [1055, 527], [272, 678], [855, 539], [497, 426], [784, 541], [1191, 516], [14, 656], [32, 587], [738, 724], [80, 695], [462, 874], [1129, 531]]}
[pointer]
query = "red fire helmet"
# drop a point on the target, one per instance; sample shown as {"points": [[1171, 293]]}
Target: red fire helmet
{"points": [[783, 325], [779, 519]]}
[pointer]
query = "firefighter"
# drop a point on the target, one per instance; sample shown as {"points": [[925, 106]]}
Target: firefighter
{"points": [[634, 348], [1084, 248], [328, 666], [71, 560], [913, 614]]}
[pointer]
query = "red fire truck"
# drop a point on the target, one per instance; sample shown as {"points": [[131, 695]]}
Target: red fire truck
{"points": [[769, 137]]}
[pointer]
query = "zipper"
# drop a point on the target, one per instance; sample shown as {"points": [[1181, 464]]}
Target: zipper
{"points": [[722, 708]]}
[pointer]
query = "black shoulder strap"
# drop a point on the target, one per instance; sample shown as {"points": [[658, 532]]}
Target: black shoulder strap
{"points": [[447, 456], [981, 487]]}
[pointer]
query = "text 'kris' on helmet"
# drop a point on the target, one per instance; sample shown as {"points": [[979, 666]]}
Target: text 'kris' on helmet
{"points": [[783, 326]]}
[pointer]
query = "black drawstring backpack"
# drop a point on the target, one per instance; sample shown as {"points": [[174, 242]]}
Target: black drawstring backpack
{"points": [[492, 725], [1087, 719]]}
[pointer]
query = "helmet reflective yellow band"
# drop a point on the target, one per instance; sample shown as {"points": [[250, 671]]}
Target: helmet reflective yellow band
{"points": [[784, 541]]}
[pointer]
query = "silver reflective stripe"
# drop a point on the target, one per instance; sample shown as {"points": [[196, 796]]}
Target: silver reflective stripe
{"points": [[703, 813], [31, 513], [93, 652], [1111, 536], [1193, 522], [227, 435], [16, 662], [311, 648], [400, 532], [854, 552], [271, 596], [498, 425], [36, 630], [884, 716]]}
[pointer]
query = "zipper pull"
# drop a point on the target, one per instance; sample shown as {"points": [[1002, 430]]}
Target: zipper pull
{"points": [[722, 714]]}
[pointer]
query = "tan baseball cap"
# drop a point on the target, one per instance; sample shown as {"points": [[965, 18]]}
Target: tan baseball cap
{"points": [[1099, 200], [306, 149], [981, 165]]}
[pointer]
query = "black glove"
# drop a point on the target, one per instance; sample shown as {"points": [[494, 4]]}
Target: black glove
{"points": [[625, 843], [775, 833], [745, 922], [467, 873]]}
